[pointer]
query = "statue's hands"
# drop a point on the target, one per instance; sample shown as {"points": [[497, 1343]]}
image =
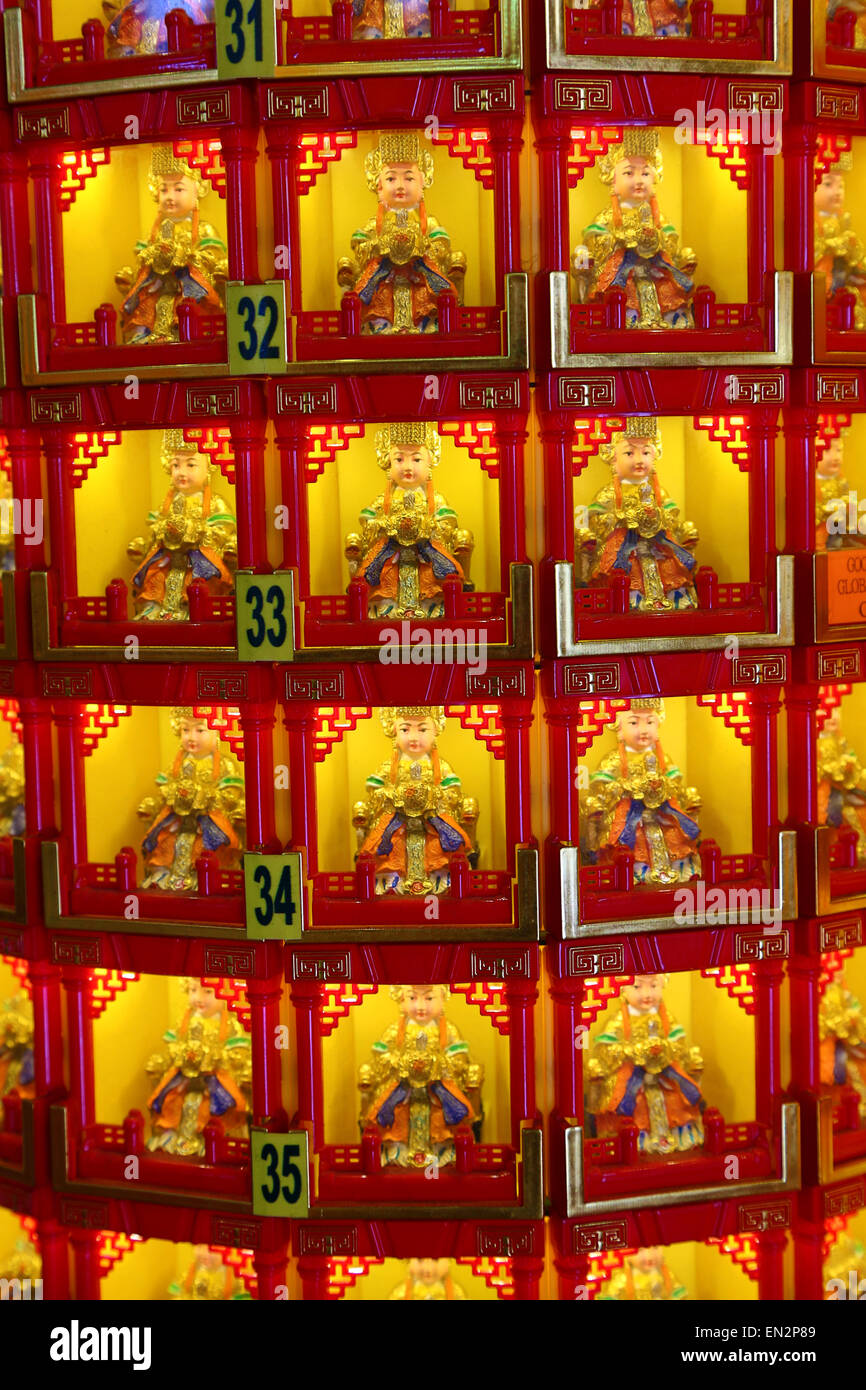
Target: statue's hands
{"points": [[687, 260], [137, 548], [155, 1065]]}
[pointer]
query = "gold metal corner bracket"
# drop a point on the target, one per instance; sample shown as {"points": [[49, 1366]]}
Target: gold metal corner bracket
{"points": [[828, 1172], [825, 903], [788, 1181]]}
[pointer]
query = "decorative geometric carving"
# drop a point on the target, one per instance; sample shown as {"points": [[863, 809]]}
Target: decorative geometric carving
{"points": [[337, 1000], [220, 685], [769, 96], [325, 443], [216, 443], [293, 399], [298, 102], [300, 686], [600, 1236], [323, 965], [105, 987], [843, 103], [602, 678], [113, 1247], [89, 449], [836, 936], [844, 1201], [595, 716], [496, 1273], [70, 950], [221, 400], [478, 438], [734, 709], [751, 946], [494, 963], [234, 992], [226, 720], [318, 152], [589, 435], [832, 962], [21, 970], [344, 1272], [203, 110], [733, 159], [332, 723], [761, 670], [240, 1262], [588, 144], [52, 124], [314, 1240], [484, 721], [582, 94], [743, 1251], [204, 155], [731, 431], [472, 148], [837, 387], [10, 714], [55, 409], [231, 1232], [97, 721], [582, 392], [495, 685], [775, 1217], [830, 698], [72, 685], [88, 1216], [754, 389], [830, 145], [230, 962], [482, 95], [737, 980], [503, 1241], [487, 996], [836, 665], [79, 166], [480, 393]]}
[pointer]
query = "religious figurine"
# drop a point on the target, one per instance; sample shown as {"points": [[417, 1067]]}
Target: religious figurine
{"points": [[842, 1033], [634, 527], [857, 8], [644, 1278], [637, 801], [192, 536], [12, 790], [202, 1079], [630, 247], [415, 816], [23, 1264], [182, 258], [401, 261], [845, 1270], [839, 252], [199, 806], [17, 1068], [640, 1067], [207, 1280], [646, 19], [7, 523], [422, 1084], [409, 541], [428, 1281], [832, 497], [391, 19], [138, 28], [841, 783]]}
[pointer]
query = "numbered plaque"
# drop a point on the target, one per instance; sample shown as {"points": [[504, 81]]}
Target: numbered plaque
{"points": [[246, 38], [274, 895], [265, 616], [281, 1173], [256, 328]]}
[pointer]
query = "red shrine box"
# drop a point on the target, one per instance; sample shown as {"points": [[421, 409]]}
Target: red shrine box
{"points": [[102, 459], [823, 512], [363, 1259], [27, 814], [716, 138], [665, 1145], [489, 1161], [110, 756], [118, 1127], [45, 56], [729, 861], [823, 715], [28, 1218], [828, 1079], [329, 437], [732, 1249], [830, 47], [90, 161], [829, 1242], [698, 37], [322, 143], [354, 884], [108, 1233], [714, 448], [31, 1065], [825, 152]]}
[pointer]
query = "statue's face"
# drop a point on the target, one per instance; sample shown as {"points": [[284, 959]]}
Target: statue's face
{"points": [[410, 465], [830, 462], [830, 194], [833, 723], [401, 186], [203, 1000], [639, 729], [415, 737], [189, 472], [645, 994], [634, 179], [177, 198], [429, 1271], [423, 1003], [197, 739], [634, 459], [649, 1258]]}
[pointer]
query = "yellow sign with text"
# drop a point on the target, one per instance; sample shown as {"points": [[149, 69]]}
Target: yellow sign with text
{"points": [[256, 328], [246, 38], [274, 894], [846, 586], [281, 1173], [265, 608]]}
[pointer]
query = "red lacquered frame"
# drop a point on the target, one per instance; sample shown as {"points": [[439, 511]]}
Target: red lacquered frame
{"points": [[825, 47], [570, 336], [824, 402], [834, 1136], [333, 1256], [54, 352], [495, 903], [829, 879], [81, 896], [823, 118], [39, 1210], [24, 1149], [741, 410], [753, 1233], [502, 1181], [824, 1213], [590, 1177], [229, 420], [487, 415], [492, 337], [758, 42], [90, 1158], [597, 900]]}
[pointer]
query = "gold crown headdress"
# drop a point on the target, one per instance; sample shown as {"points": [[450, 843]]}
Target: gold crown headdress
{"points": [[179, 713], [844, 164], [165, 164], [389, 715], [174, 443], [649, 705], [396, 991], [636, 427], [637, 140], [398, 147], [416, 432]]}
